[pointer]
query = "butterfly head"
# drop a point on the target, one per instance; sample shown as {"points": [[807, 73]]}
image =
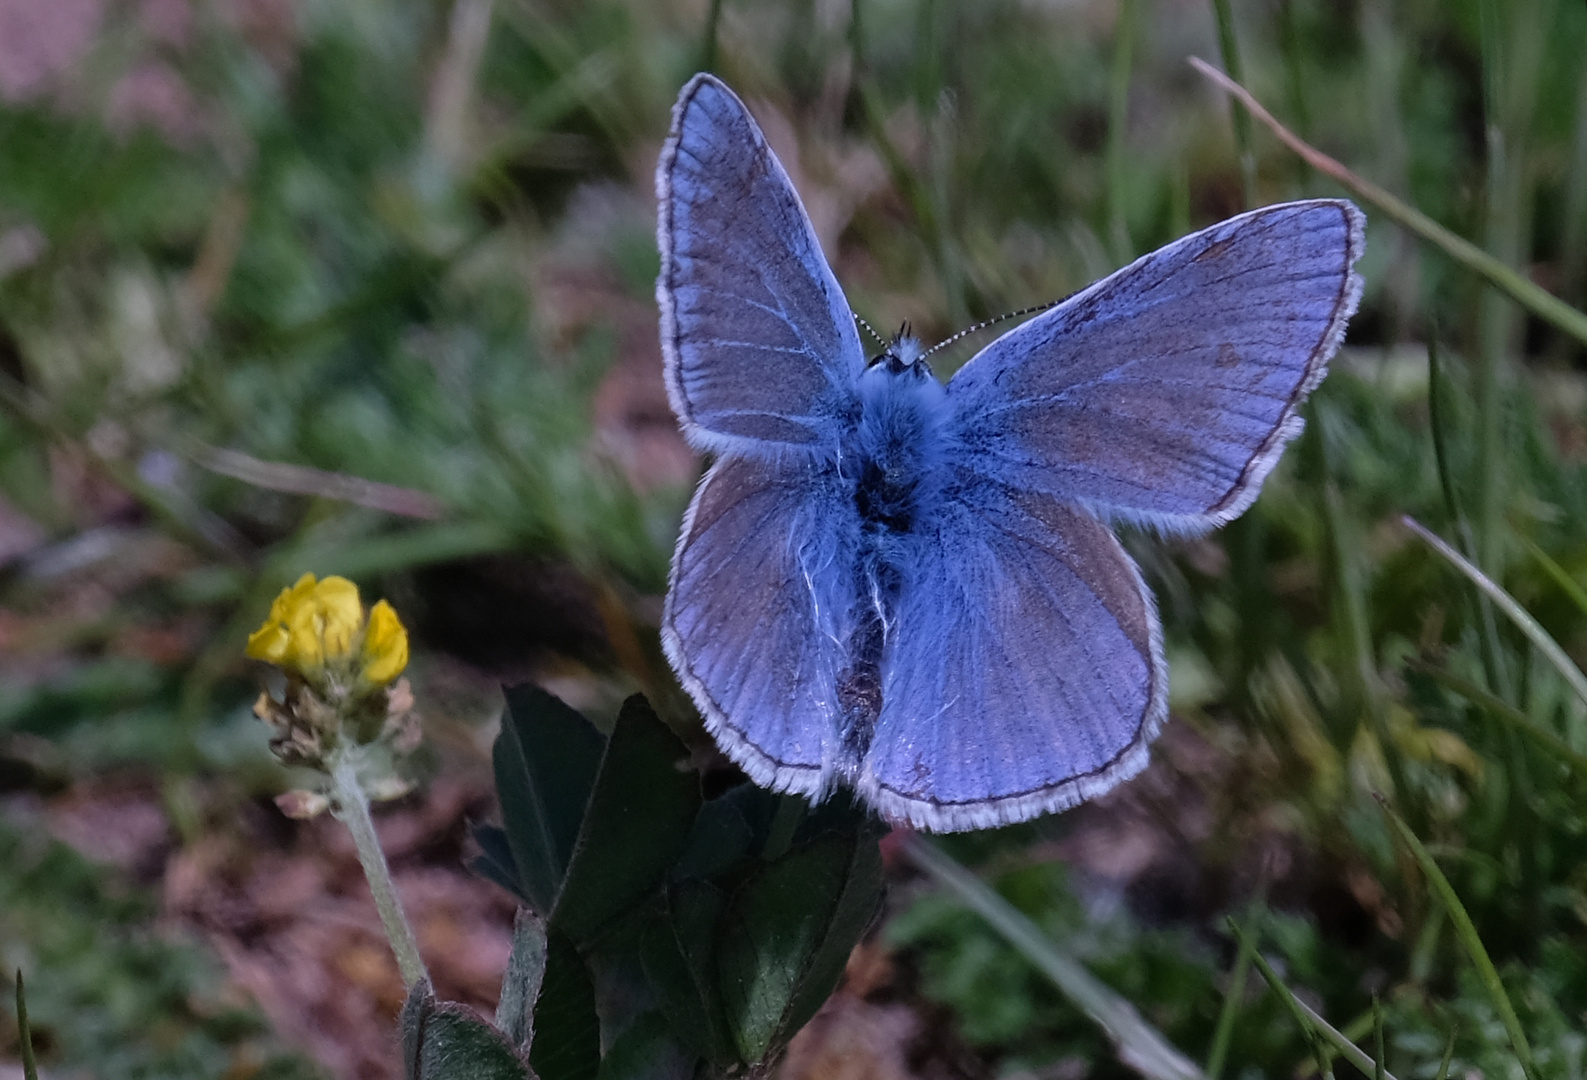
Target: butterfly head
{"points": [[902, 354]]}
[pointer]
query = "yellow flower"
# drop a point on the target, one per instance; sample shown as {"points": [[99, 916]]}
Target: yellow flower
{"points": [[316, 630], [385, 645]]}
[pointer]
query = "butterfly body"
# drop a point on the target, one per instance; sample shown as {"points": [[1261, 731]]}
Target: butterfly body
{"points": [[907, 587], [894, 478]]}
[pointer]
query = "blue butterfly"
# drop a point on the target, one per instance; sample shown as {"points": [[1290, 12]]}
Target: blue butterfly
{"points": [[907, 588]]}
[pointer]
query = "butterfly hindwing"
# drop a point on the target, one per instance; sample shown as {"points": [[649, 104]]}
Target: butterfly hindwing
{"points": [[761, 349], [1025, 671], [1165, 393], [761, 588]]}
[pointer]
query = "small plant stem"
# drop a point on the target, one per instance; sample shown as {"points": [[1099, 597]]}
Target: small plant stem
{"points": [[30, 1068], [352, 807]]}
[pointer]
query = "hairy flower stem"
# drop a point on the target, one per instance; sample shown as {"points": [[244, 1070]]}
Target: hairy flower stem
{"points": [[352, 807]]}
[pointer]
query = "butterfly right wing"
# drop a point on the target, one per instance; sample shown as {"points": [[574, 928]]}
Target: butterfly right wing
{"points": [[756, 614], [761, 350]]}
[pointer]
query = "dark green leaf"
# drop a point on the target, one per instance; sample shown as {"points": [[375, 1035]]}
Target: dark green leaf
{"points": [[719, 837], [546, 759], [494, 861], [520, 986], [854, 913], [442, 1040], [639, 816], [647, 1051], [786, 933], [677, 953], [567, 1045]]}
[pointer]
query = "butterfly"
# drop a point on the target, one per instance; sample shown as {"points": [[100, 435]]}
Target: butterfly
{"points": [[909, 588]]}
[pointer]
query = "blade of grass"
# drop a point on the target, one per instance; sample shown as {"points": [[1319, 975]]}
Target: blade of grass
{"points": [[1539, 301], [1437, 421], [1467, 933], [1567, 584], [1507, 604], [1234, 993], [1118, 120], [1449, 1054], [1492, 654], [30, 1068], [1503, 710], [1321, 1056], [1139, 1045], [1229, 50], [1377, 1038], [713, 20], [1310, 1022]]}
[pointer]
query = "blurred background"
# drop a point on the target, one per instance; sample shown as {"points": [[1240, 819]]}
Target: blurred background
{"points": [[365, 287]]}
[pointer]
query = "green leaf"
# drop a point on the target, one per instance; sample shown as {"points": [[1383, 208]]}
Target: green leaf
{"points": [[647, 1051], [786, 933], [442, 1040], [546, 759], [494, 861], [520, 986], [677, 952], [639, 818], [567, 1043], [719, 837]]}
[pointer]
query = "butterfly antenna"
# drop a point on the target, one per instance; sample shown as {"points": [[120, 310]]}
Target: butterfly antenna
{"points": [[869, 329], [943, 344]]}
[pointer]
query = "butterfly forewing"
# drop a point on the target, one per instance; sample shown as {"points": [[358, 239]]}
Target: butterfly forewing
{"points": [[1025, 672], [761, 349], [1165, 393]]}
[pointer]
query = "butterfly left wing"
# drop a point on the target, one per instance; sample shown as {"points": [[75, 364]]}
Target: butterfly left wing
{"points": [[761, 350], [760, 596], [1025, 669], [1165, 393]]}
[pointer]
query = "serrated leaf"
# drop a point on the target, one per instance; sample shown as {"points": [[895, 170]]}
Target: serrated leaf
{"points": [[786, 933], [567, 1044], [677, 952], [546, 759], [442, 1040], [520, 986], [640, 813]]}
